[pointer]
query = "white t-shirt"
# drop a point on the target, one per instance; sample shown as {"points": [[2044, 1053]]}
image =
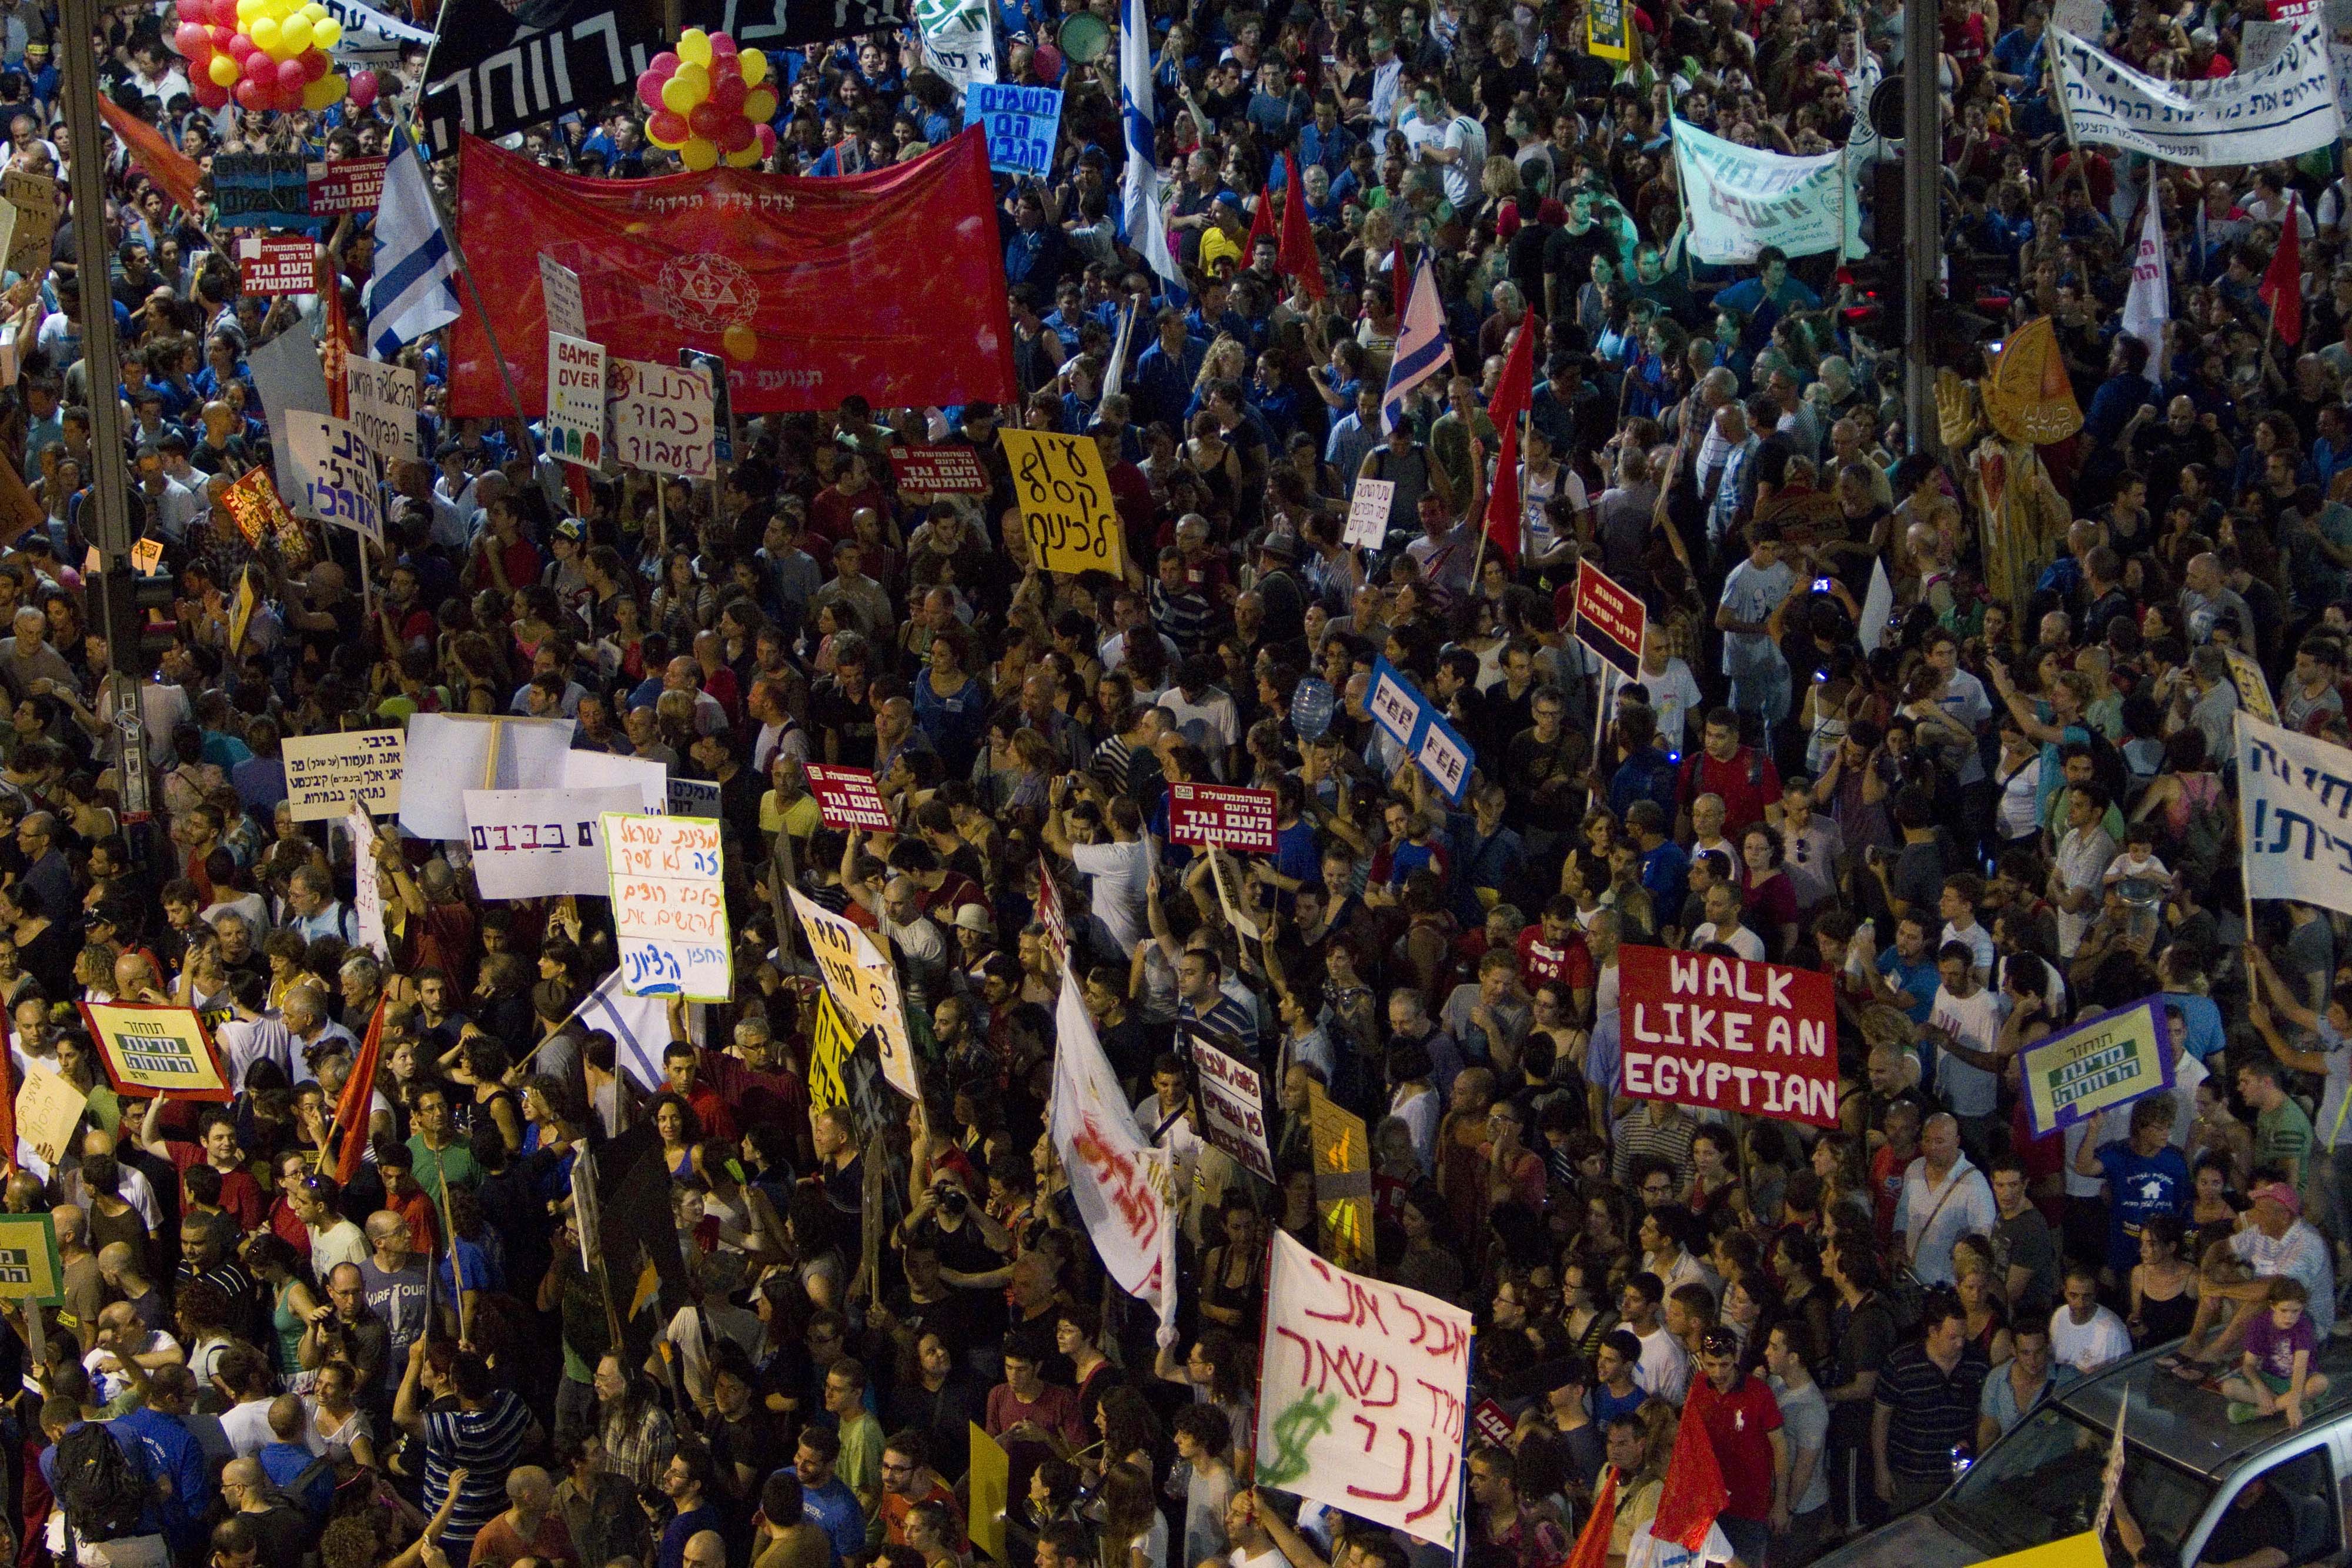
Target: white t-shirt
{"points": [[1736, 937], [1673, 697], [2086, 1347], [1118, 874], [2020, 815], [1974, 1021], [1663, 1371]]}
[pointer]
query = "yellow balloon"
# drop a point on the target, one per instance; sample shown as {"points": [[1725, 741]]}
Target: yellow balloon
{"points": [[740, 341], [698, 154], [318, 94], [294, 35], [693, 47], [225, 70], [745, 159], [263, 31], [696, 78], [760, 105], [755, 66], [247, 10], [326, 35], [679, 97], [316, 12]]}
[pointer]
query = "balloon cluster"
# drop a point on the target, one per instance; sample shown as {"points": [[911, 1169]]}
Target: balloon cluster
{"points": [[267, 54], [709, 102]]}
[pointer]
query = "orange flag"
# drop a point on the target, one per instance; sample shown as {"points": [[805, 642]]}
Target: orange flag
{"points": [[1593, 1545], [165, 164], [357, 1100]]}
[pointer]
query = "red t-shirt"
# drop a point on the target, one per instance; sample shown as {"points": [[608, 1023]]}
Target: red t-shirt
{"points": [[1747, 783], [1739, 1424], [1571, 964], [240, 1196]]}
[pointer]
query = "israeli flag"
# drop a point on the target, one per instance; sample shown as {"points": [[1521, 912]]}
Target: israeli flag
{"points": [[1147, 229], [415, 289], [1422, 351]]}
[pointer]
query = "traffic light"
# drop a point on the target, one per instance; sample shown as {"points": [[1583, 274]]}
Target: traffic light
{"points": [[1876, 308]]}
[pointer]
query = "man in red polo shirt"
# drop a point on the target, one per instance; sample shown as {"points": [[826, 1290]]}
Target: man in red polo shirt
{"points": [[1743, 1422], [1742, 776], [1556, 950]]}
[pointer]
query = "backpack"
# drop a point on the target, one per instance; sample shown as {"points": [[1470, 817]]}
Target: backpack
{"points": [[103, 1495]]}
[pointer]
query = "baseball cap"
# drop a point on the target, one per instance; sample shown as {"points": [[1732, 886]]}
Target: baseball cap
{"points": [[569, 528], [2278, 1192]]}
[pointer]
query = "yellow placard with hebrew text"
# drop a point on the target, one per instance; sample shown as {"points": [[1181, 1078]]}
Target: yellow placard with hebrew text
{"points": [[990, 1484], [49, 1113], [29, 1265], [1343, 1182], [831, 1041], [1066, 502]]}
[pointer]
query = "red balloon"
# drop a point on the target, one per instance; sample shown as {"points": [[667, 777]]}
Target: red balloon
{"points": [[649, 86], [738, 135], [219, 38], [667, 125], [708, 119], [661, 65], [315, 63], [191, 40], [208, 93], [722, 44], [249, 95], [289, 98], [767, 135], [261, 67], [727, 92], [363, 89], [290, 74], [242, 48]]}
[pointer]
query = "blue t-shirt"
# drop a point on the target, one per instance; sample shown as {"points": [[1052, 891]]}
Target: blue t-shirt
{"points": [[2203, 1018], [834, 1509], [1916, 979], [2139, 1188]]}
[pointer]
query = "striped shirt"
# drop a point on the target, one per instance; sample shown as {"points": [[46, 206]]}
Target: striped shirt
{"points": [[1929, 1413], [484, 1443]]}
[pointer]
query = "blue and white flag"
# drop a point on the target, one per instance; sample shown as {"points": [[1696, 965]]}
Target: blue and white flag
{"points": [[1422, 351], [1147, 228], [416, 285], [639, 1027]]}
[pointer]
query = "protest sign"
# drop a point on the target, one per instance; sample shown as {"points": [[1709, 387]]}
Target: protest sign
{"points": [[452, 752], [1368, 513], [831, 1045], [1491, 1423], [2253, 686], [693, 797], [1224, 814], [537, 843], [940, 471], [1117, 1180], [990, 1489], [336, 470], [241, 609], [575, 399], [2075, 1075], [602, 771], [323, 772], [1022, 124], [49, 1113], [262, 190], [1726, 1034], [962, 49], [669, 906], [848, 798], [865, 986], [1435, 745], [1343, 1180], [2295, 798], [35, 198], [383, 400], [1050, 915], [1609, 620], [1233, 1107], [252, 502], [146, 555], [341, 186], [1243, 927], [559, 289], [30, 1268], [2286, 108], [1363, 1395], [663, 419], [1605, 33], [1066, 505], [1742, 199], [269, 265], [154, 1050], [367, 886]]}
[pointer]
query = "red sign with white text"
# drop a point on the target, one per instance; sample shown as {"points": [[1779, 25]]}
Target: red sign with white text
{"points": [[941, 470], [846, 797], [1609, 620], [1724, 1034], [346, 185], [278, 264], [1221, 814]]}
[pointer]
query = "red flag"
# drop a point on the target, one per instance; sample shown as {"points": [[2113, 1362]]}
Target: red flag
{"points": [[1261, 222], [2281, 287], [1591, 1550], [1297, 256], [1502, 499], [1693, 1493], [169, 167], [1515, 392], [754, 267], [358, 1098]]}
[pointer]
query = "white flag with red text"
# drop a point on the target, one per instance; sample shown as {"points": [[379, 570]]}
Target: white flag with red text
{"points": [[1117, 1178]]}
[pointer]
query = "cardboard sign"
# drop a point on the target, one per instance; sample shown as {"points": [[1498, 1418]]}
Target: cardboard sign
{"points": [[1726, 1034], [383, 403], [1343, 1180], [253, 504], [269, 265], [450, 753], [149, 1050], [323, 772], [663, 419], [667, 884], [1238, 819], [575, 399], [1491, 1424], [832, 1043], [342, 185], [567, 312], [30, 1268], [848, 798], [991, 1489], [337, 471], [539, 843], [2253, 686], [146, 555], [693, 797], [1368, 513], [367, 883], [49, 1113], [1609, 620], [1233, 1107], [262, 190], [940, 471], [865, 986], [1435, 745], [2075, 1075], [1023, 125], [35, 198], [1364, 1394], [1606, 34], [1066, 506]]}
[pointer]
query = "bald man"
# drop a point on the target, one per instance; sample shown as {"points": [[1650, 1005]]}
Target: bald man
{"points": [[45, 869], [287, 1458], [530, 1528], [1944, 1198], [124, 1272], [281, 1531], [394, 1280], [84, 1289]]}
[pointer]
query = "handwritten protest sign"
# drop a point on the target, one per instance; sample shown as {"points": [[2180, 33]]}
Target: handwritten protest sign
{"points": [[2283, 110], [575, 399], [150, 1049], [537, 843], [560, 287], [1022, 124], [865, 985], [49, 1113], [35, 198], [1118, 1181], [848, 798], [940, 471], [324, 771], [337, 471], [1368, 513], [669, 906], [367, 885], [693, 797], [1066, 505], [341, 186], [2075, 1075], [832, 1043], [2295, 792], [1363, 1395], [1233, 1107], [1343, 1179], [663, 419], [271, 265], [1224, 814], [29, 1266], [449, 753], [1726, 1034], [384, 401]]}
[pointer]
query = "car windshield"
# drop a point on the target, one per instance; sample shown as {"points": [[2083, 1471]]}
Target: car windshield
{"points": [[2040, 1482]]}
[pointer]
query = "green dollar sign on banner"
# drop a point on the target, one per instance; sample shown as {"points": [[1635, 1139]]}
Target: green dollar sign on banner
{"points": [[1296, 1428]]}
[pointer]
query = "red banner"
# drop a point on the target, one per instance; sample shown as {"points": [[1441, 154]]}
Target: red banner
{"points": [[889, 284], [169, 167], [278, 264], [1700, 1030], [1220, 814], [847, 798], [1609, 620], [940, 471]]}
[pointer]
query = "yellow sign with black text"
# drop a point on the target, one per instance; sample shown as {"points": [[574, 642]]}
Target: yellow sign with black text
{"points": [[1066, 502]]}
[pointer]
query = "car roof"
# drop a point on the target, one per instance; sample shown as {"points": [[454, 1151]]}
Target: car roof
{"points": [[2190, 1424]]}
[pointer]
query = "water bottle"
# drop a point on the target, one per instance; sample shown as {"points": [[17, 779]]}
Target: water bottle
{"points": [[1960, 1460]]}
